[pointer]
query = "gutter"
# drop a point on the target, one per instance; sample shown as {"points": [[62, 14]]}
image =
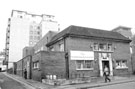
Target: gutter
{"points": [[87, 37]]}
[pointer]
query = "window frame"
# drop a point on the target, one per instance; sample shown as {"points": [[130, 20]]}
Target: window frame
{"points": [[96, 46], [83, 65], [36, 65], [61, 47], [120, 64], [106, 46]]}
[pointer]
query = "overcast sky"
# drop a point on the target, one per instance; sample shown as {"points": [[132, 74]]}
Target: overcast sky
{"points": [[102, 14]]}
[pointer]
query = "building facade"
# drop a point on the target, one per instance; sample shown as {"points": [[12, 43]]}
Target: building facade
{"points": [[78, 52], [91, 49], [28, 51], [25, 29], [48, 64], [22, 64], [126, 31], [41, 45]]}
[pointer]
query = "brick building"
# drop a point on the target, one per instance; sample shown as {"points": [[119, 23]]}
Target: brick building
{"points": [[133, 54], [41, 45], [81, 52], [91, 49], [25, 63], [27, 51], [49, 64], [126, 31]]}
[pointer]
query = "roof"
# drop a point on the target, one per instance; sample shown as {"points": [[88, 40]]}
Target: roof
{"points": [[88, 32], [121, 27]]}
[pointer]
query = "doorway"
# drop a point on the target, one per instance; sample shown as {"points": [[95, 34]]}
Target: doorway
{"points": [[105, 63]]}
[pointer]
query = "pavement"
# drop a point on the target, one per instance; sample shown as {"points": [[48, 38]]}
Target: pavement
{"points": [[98, 82], [28, 82]]}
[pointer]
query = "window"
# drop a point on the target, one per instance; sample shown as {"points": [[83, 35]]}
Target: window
{"points": [[35, 32], [38, 38], [42, 48], [38, 32], [31, 43], [102, 47], [84, 64], [38, 27], [31, 32], [36, 64], [61, 47], [109, 47], [19, 16], [35, 37], [95, 46], [121, 64], [131, 50]]}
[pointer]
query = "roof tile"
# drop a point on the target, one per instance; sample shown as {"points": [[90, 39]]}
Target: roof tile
{"points": [[89, 32]]}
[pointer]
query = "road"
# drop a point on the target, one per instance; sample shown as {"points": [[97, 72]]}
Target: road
{"points": [[128, 85], [8, 83]]}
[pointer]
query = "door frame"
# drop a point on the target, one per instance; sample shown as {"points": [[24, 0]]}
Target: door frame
{"points": [[101, 66]]}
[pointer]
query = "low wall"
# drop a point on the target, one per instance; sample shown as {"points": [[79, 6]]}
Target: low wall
{"points": [[59, 82]]}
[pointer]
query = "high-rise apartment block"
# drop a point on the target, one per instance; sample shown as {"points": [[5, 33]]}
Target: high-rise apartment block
{"points": [[25, 29]]}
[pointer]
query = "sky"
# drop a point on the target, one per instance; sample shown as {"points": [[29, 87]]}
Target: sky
{"points": [[100, 14]]}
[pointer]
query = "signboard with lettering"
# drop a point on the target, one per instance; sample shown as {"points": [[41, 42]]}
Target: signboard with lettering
{"points": [[81, 55]]}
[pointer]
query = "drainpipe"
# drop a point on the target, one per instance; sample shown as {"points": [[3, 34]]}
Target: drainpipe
{"points": [[67, 65], [66, 59], [22, 67], [132, 63]]}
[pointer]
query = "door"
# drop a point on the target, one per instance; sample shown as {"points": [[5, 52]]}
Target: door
{"points": [[105, 63], [105, 60]]}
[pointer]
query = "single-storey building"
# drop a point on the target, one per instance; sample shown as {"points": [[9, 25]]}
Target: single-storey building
{"points": [[47, 64], [24, 63]]}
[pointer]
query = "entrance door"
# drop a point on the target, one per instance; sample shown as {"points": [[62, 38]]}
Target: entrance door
{"points": [[105, 63], [105, 60]]}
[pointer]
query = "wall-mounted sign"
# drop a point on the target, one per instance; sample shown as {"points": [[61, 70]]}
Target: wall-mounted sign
{"points": [[81, 55]]}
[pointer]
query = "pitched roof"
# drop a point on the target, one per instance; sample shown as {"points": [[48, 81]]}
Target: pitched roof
{"points": [[121, 27], [88, 32]]}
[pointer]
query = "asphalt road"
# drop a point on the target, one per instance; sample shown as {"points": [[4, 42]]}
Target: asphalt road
{"points": [[128, 85], [8, 83]]}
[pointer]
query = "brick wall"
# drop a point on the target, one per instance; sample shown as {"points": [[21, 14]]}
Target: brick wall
{"points": [[81, 45], [36, 73], [41, 45], [19, 68], [53, 63], [50, 63], [23, 64], [27, 65], [28, 51], [133, 55], [121, 52]]}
